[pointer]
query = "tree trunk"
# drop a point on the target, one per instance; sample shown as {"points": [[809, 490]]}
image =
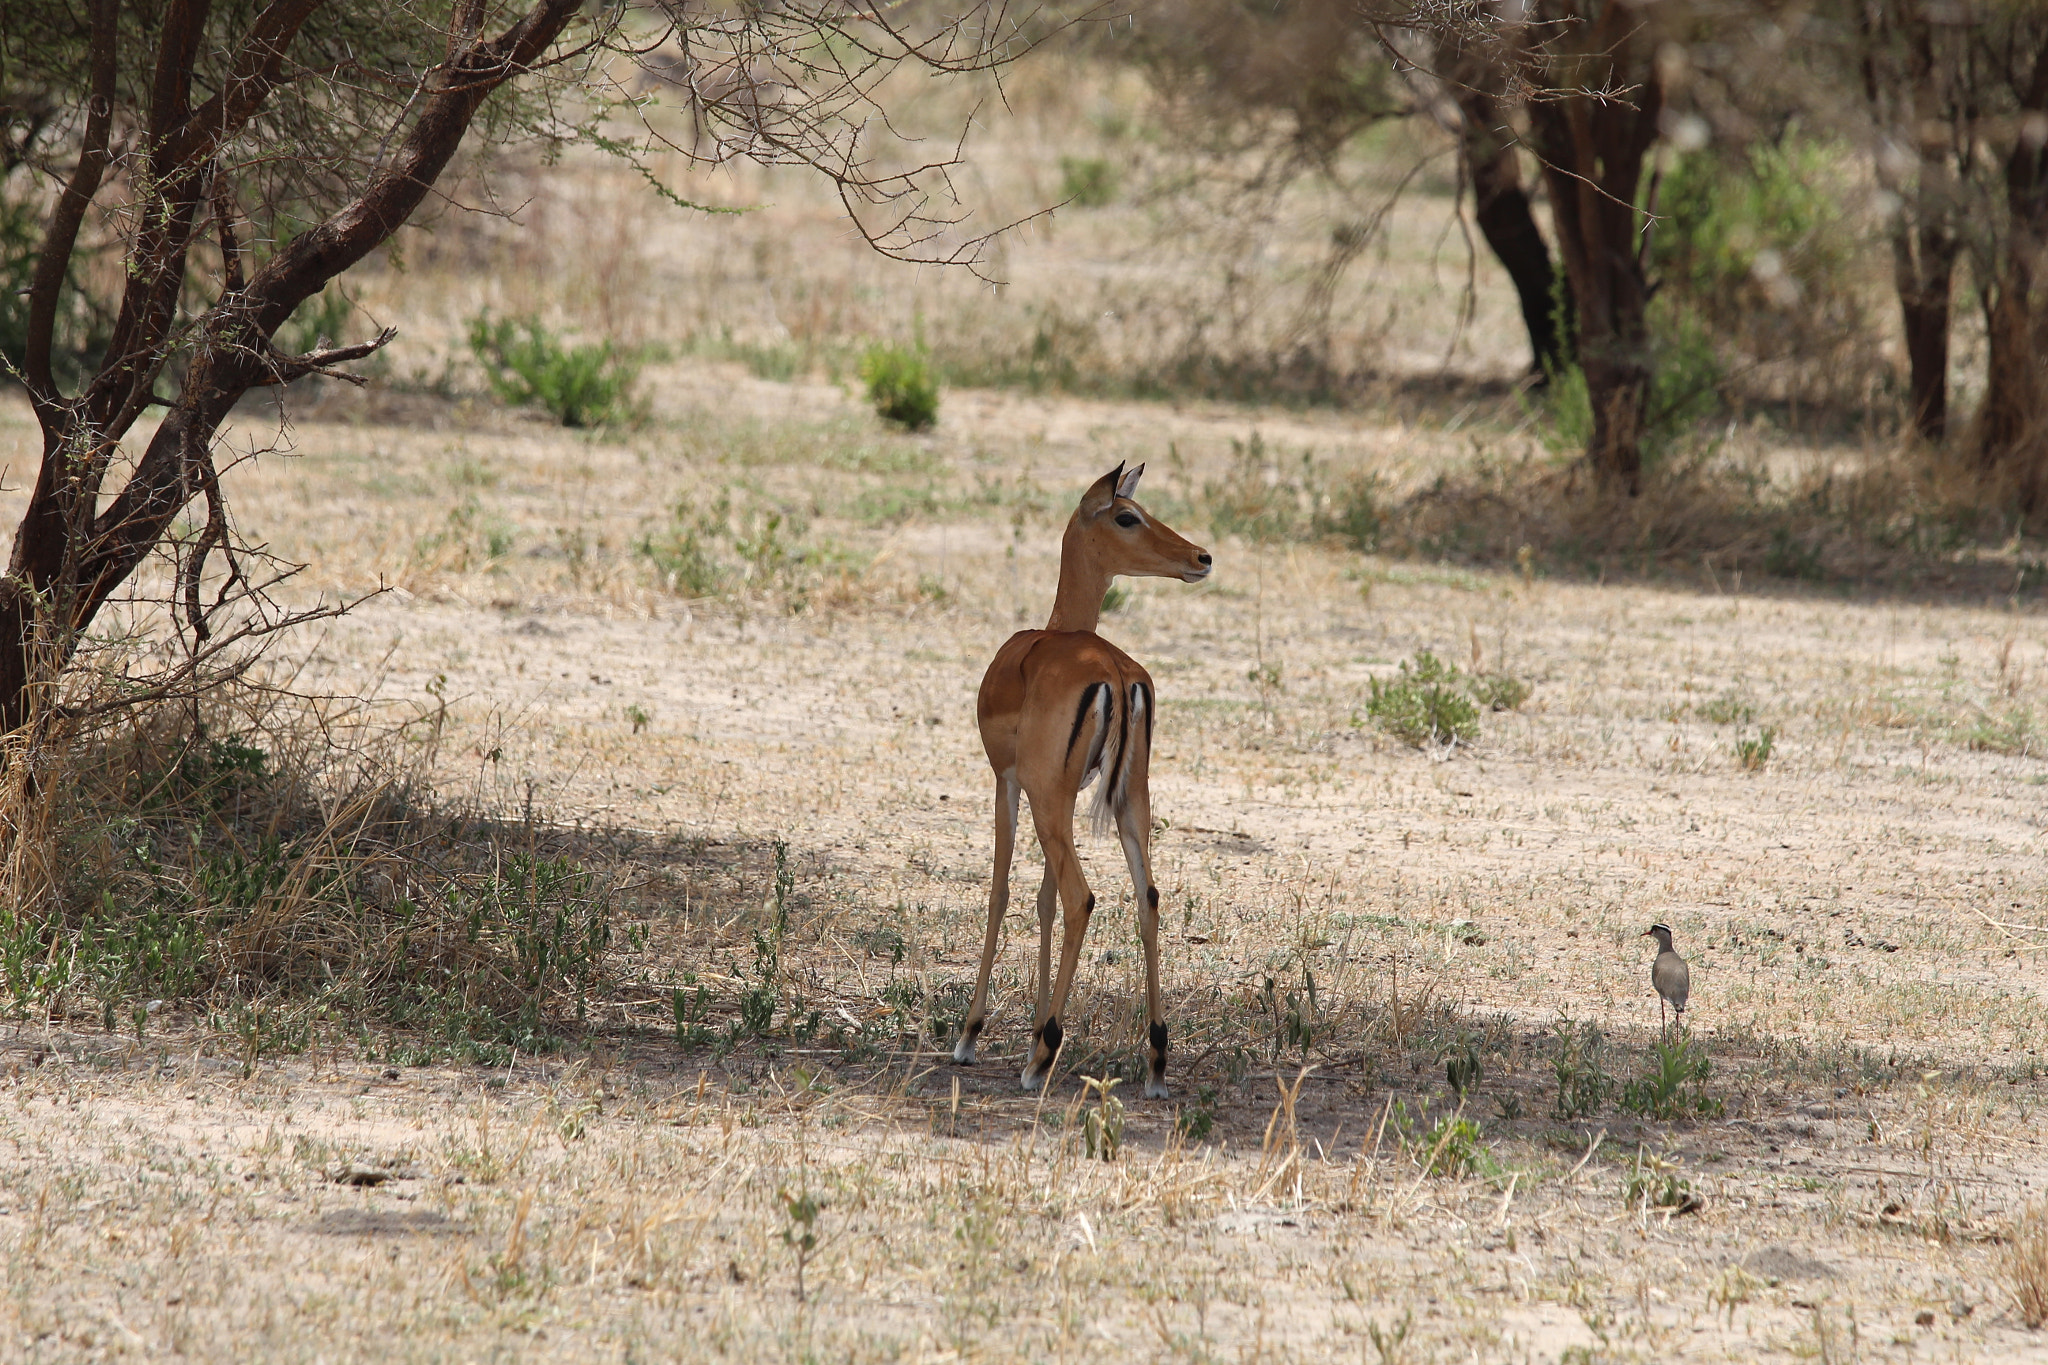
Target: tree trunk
{"points": [[1924, 284], [2012, 427], [1906, 83], [1592, 149], [1476, 82]]}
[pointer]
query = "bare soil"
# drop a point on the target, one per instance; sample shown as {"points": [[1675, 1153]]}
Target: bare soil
{"points": [[1855, 913]]}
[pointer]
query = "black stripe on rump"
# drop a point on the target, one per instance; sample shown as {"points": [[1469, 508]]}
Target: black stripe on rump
{"points": [[1081, 716], [1145, 693]]}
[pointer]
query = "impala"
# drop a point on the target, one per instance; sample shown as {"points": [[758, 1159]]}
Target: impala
{"points": [[1061, 708]]}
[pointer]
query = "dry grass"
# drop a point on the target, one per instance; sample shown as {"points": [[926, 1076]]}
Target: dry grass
{"points": [[2024, 1264], [781, 779]]}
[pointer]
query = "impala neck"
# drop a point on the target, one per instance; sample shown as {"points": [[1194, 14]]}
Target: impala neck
{"points": [[1078, 603]]}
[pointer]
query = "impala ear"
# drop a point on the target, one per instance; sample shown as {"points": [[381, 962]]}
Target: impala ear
{"points": [[1127, 486], [1103, 491]]}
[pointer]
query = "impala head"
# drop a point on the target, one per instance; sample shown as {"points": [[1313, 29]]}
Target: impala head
{"points": [[1123, 538]]}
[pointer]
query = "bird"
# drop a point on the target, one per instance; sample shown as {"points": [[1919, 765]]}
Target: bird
{"points": [[1669, 975]]}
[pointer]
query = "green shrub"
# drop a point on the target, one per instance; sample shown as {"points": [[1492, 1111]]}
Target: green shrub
{"points": [[1752, 754], [1426, 704], [1758, 260], [901, 385], [1088, 182], [581, 385], [1674, 1087], [1579, 1060]]}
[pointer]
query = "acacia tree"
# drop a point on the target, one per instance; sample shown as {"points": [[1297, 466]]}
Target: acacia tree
{"points": [[235, 156]]}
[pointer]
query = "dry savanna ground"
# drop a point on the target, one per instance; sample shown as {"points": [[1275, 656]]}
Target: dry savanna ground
{"points": [[729, 655]]}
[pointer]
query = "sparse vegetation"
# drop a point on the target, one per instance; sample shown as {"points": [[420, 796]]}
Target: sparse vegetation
{"points": [[579, 386], [1426, 704], [2023, 1264]]}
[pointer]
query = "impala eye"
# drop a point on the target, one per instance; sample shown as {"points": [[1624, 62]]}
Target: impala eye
{"points": [[1126, 519]]}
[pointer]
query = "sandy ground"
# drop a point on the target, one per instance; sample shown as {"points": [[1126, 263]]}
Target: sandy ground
{"points": [[1875, 1023]]}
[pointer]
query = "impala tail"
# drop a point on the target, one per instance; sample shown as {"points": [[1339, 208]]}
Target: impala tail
{"points": [[1122, 745]]}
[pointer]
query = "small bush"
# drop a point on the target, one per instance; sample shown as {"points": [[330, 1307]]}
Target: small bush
{"points": [[580, 385], [1102, 1128], [1579, 1059], [1674, 1087], [1686, 379], [1752, 754], [901, 385], [1088, 182], [1463, 1067], [1456, 1148], [1426, 704]]}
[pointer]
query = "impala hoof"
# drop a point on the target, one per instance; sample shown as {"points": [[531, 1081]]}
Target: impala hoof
{"points": [[963, 1052], [1156, 1090], [1032, 1080]]}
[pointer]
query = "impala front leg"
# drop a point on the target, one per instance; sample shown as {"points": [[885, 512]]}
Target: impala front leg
{"points": [[998, 905]]}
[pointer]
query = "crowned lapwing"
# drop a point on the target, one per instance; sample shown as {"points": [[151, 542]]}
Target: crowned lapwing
{"points": [[1668, 975]]}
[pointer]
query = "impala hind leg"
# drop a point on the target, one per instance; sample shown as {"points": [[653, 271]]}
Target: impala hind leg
{"points": [[1062, 872], [998, 905], [1134, 830]]}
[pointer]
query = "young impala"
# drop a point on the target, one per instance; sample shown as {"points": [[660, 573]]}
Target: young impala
{"points": [[1061, 708]]}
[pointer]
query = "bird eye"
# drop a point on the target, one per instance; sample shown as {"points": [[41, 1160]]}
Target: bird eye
{"points": [[1126, 519]]}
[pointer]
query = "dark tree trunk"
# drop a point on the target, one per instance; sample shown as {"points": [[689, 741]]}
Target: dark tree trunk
{"points": [[1907, 85], [2012, 428], [1592, 147], [1476, 82], [1924, 304]]}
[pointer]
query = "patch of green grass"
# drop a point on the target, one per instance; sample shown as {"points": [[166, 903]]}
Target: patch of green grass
{"points": [[737, 545], [2014, 733], [1728, 709], [1753, 754]]}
